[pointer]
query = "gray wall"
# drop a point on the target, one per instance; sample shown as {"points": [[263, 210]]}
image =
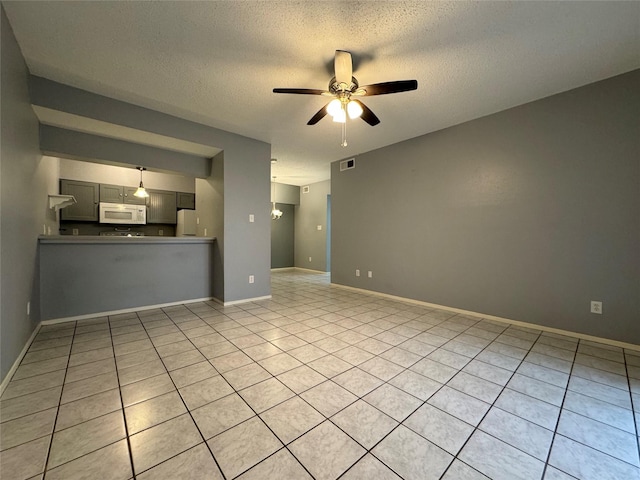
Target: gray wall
{"points": [[210, 213], [99, 173], [287, 194], [57, 141], [527, 214], [24, 216], [245, 247], [25, 182], [283, 230], [82, 276], [283, 237], [309, 241]]}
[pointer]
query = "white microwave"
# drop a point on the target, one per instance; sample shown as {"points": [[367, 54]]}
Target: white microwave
{"points": [[123, 213]]}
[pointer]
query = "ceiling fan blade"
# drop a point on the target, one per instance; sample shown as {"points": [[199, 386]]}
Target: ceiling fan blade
{"points": [[367, 115], [390, 87], [300, 91], [343, 67], [318, 116]]}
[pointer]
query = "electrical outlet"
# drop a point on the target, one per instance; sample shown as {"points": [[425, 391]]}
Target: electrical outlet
{"points": [[75, 231], [161, 233], [251, 278], [205, 232], [357, 272], [44, 229], [319, 227], [309, 258], [197, 220], [370, 274], [596, 307], [28, 308]]}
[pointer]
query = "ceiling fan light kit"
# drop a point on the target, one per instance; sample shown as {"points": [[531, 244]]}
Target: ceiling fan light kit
{"points": [[354, 109], [343, 87]]}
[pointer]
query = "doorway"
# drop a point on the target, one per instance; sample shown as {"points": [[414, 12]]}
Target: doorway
{"points": [[282, 238], [328, 233]]}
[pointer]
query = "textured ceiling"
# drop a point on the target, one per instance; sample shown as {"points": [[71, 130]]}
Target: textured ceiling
{"points": [[216, 62]]}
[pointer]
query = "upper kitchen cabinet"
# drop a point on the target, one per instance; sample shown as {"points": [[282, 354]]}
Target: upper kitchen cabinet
{"points": [[87, 195], [186, 201], [130, 198], [119, 194], [161, 207], [111, 193]]}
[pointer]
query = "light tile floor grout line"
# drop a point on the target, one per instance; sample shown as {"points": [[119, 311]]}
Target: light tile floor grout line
{"points": [[181, 399], [477, 427], [124, 416], [53, 429], [555, 430], [285, 446], [635, 421]]}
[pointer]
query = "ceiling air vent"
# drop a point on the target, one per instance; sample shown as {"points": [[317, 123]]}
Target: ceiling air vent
{"points": [[305, 189], [347, 164]]}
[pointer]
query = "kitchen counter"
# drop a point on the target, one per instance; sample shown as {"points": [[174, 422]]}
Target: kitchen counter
{"points": [[91, 239], [86, 276]]}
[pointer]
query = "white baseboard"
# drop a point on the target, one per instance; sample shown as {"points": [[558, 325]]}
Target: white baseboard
{"points": [[16, 364], [244, 300], [312, 271], [518, 323], [54, 321], [124, 310], [283, 269], [583, 336]]}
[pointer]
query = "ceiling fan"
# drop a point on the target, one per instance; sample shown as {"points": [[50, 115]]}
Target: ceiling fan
{"points": [[343, 87]]}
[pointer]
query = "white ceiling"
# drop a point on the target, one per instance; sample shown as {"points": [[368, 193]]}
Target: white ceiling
{"points": [[216, 62]]}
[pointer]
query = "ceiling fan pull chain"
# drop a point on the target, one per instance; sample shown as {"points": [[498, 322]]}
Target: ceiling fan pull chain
{"points": [[344, 133]]}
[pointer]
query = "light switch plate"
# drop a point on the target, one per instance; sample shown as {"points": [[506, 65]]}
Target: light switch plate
{"points": [[251, 218]]}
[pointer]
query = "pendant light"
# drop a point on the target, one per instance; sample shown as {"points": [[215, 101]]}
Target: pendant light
{"points": [[141, 192], [275, 213]]}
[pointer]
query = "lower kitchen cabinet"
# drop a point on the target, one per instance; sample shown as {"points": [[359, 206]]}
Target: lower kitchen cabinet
{"points": [[87, 196], [161, 207]]}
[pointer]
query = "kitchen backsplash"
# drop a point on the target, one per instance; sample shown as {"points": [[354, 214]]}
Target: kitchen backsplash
{"points": [[88, 228]]}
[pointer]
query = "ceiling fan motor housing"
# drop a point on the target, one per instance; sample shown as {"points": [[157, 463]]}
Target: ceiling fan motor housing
{"points": [[338, 88], [343, 90]]}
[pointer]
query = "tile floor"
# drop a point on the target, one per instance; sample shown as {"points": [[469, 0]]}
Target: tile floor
{"points": [[319, 382]]}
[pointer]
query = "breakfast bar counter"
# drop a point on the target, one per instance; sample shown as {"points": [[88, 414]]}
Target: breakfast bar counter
{"points": [[83, 276], [107, 239]]}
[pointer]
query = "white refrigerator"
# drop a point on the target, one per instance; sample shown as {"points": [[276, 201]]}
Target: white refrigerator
{"points": [[186, 226]]}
